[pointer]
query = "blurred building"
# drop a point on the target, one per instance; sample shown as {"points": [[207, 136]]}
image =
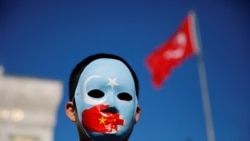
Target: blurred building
{"points": [[28, 108]]}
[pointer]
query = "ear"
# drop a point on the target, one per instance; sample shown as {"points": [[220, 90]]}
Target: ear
{"points": [[138, 113], [70, 111]]}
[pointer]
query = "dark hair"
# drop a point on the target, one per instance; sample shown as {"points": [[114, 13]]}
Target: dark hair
{"points": [[76, 72]]}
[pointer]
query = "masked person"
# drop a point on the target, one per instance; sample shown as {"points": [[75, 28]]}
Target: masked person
{"points": [[103, 92]]}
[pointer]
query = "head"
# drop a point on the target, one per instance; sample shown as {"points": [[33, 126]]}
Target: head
{"points": [[103, 98]]}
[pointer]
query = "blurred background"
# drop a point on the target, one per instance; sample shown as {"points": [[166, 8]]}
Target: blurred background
{"points": [[41, 41]]}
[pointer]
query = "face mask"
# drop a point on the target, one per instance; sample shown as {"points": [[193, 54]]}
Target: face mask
{"points": [[106, 100]]}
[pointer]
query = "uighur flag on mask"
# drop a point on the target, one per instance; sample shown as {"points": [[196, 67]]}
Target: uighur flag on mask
{"points": [[98, 119], [181, 45]]}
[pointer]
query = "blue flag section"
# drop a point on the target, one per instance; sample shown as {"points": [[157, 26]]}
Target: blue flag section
{"points": [[45, 39]]}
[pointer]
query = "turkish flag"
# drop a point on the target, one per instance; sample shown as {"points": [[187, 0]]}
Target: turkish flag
{"points": [[98, 119], [181, 45]]}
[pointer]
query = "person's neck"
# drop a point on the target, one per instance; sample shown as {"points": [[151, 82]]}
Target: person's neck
{"points": [[83, 138]]}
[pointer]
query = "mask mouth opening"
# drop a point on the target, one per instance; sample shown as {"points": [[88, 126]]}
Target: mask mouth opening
{"points": [[111, 110]]}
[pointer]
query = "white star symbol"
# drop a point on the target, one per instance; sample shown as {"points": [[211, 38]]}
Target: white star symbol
{"points": [[112, 82]]}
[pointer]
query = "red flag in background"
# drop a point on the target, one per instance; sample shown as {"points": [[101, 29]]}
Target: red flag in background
{"points": [[181, 45]]}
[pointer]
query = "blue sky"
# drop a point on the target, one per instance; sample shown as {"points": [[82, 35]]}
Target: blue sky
{"points": [[46, 39]]}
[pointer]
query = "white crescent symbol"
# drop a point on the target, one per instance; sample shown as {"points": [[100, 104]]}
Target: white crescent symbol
{"points": [[178, 53], [86, 98]]}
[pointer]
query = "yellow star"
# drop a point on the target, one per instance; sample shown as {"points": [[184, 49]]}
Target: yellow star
{"points": [[102, 120]]}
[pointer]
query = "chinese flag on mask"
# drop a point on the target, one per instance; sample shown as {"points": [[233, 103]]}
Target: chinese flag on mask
{"points": [[181, 45], [98, 119]]}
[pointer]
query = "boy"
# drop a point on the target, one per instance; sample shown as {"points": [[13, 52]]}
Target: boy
{"points": [[103, 91]]}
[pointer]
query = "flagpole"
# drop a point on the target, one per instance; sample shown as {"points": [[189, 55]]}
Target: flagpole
{"points": [[205, 99], [204, 89]]}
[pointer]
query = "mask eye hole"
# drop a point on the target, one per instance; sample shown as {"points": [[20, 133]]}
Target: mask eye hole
{"points": [[96, 93], [124, 96]]}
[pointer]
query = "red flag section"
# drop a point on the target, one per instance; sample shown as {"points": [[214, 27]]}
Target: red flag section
{"points": [[181, 45], [96, 120]]}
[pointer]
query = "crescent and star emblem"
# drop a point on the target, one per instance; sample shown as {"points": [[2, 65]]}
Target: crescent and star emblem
{"points": [[111, 82]]}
